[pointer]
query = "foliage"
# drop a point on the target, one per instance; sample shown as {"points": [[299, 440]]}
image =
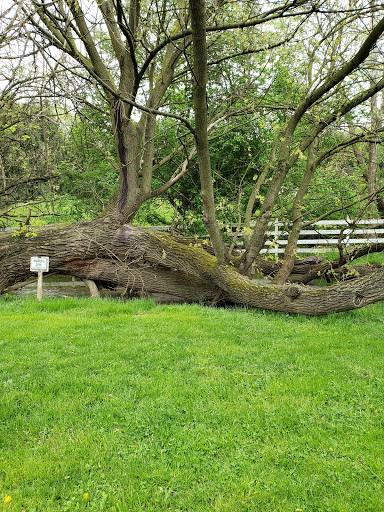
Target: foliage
{"points": [[31, 143], [237, 154], [73, 169], [88, 170]]}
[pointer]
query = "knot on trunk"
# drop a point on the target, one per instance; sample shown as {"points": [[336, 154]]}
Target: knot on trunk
{"points": [[358, 299], [294, 292]]}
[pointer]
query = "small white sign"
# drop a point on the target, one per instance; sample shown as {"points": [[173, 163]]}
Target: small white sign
{"points": [[39, 264]]}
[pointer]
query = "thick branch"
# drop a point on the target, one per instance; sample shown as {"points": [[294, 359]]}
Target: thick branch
{"points": [[201, 127]]}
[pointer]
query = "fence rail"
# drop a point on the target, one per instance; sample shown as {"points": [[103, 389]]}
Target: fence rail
{"points": [[323, 236]]}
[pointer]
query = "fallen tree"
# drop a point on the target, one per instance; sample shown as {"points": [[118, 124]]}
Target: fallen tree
{"points": [[110, 249], [143, 259]]}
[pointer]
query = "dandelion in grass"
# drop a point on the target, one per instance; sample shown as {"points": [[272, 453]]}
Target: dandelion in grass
{"points": [[7, 499], [85, 496]]}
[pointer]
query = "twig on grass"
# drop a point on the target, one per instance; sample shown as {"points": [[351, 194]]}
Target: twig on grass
{"points": [[369, 469]]}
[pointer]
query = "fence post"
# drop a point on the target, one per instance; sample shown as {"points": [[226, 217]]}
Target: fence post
{"points": [[276, 223], [348, 231]]}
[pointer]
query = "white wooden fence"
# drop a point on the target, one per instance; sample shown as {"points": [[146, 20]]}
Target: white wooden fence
{"points": [[321, 236]]}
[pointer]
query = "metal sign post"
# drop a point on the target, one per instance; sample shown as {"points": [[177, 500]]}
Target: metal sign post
{"points": [[39, 265]]}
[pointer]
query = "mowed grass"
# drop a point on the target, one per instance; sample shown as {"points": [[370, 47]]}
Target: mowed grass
{"points": [[117, 406]]}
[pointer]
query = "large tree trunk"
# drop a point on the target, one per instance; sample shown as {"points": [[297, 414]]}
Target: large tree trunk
{"points": [[142, 259]]}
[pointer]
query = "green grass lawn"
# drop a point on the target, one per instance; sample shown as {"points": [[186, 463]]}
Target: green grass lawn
{"points": [[117, 406]]}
